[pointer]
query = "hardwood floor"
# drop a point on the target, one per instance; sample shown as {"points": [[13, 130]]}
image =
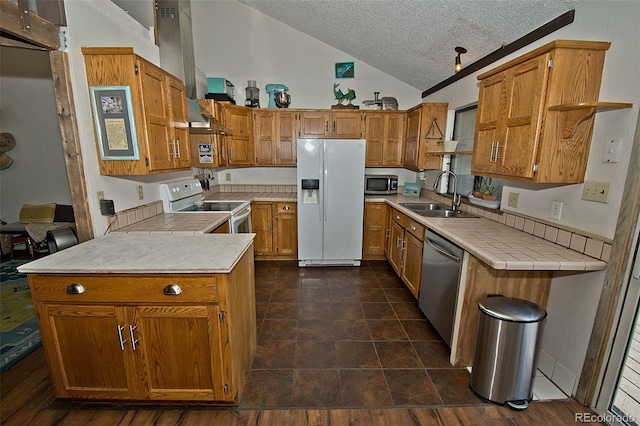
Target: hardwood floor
{"points": [[369, 387]]}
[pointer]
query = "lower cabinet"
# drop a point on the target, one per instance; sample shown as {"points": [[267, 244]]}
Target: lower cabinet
{"points": [[374, 232], [406, 240], [276, 228], [182, 337]]}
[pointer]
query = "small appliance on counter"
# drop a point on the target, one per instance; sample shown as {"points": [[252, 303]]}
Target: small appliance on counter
{"points": [[253, 95], [411, 189], [380, 184], [220, 89], [278, 96]]}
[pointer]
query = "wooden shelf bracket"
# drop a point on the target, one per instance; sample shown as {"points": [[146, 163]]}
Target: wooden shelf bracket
{"points": [[574, 114]]}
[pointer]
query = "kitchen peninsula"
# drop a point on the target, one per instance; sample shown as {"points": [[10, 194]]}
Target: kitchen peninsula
{"points": [[162, 317]]}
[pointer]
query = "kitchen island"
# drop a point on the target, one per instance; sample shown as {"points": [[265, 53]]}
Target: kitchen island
{"points": [[158, 317]]}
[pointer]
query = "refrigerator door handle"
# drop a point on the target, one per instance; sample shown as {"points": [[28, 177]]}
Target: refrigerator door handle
{"points": [[325, 182]]}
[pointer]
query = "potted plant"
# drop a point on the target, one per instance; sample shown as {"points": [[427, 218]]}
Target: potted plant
{"points": [[484, 189]]}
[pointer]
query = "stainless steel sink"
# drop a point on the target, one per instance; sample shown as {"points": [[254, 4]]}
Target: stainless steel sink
{"points": [[436, 210]]}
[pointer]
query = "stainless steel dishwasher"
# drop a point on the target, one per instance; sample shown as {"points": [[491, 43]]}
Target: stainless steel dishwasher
{"points": [[441, 266]]}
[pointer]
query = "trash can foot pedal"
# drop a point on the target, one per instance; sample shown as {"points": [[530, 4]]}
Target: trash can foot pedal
{"points": [[518, 405]]}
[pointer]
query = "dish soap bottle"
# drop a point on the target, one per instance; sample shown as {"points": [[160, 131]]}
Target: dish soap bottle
{"points": [[253, 95]]}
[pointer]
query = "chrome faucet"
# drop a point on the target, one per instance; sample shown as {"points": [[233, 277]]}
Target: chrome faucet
{"points": [[456, 198]]}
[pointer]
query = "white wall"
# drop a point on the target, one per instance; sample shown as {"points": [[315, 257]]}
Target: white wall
{"points": [[102, 23], [234, 41], [574, 297], [38, 174]]}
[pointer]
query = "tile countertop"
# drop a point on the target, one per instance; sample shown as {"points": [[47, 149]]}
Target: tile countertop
{"points": [[498, 245], [156, 253], [182, 223], [254, 196]]}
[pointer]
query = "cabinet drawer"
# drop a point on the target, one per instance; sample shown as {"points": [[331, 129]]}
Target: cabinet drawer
{"points": [[286, 207], [415, 228], [399, 218], [124, 288]]}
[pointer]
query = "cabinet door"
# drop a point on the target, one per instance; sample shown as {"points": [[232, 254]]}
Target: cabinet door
{"points": [[517, 150], [412, 263], [155, 101], [412, 136], [394, 136], [374, 134], [240, 150], [395, 247], [346, 125], [433, 122], [286, 141], [314, 124], [204, 150], [374, 235], [188, 336], [89, 351], [264, 136], [286, 229], [178, 123], [261, 223]]}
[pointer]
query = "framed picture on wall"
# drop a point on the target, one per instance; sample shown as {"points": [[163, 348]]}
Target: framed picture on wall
{"points": [[345, 70], [113, 120]]}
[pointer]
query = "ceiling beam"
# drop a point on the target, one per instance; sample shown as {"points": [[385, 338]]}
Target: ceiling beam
{"points": [[561, 21]]}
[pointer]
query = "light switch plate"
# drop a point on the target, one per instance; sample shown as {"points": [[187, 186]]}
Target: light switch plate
{"points": [[140, 193], [513, 199], [596, 191], [611, 151]]}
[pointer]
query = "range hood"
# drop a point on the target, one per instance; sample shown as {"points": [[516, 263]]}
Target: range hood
{"points": [[175, 40]]}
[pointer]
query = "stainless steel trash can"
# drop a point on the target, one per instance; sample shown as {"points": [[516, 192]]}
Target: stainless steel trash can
{"points": [[504, 362]]}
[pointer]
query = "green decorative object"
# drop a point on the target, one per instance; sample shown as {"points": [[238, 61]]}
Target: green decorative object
{"points": [[341, 97]]}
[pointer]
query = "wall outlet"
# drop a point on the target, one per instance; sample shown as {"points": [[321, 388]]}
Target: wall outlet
{"points": [[611, 151], [100, 195], [227, 177], [513, 199], [596, 191], [556, 210], [140, 193]]}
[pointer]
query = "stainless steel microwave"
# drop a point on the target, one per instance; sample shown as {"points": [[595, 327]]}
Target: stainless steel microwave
{"points": [[381, 184]]}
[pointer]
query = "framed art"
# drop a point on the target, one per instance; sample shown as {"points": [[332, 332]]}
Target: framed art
{"points": [[345, 70], [113, 118]]}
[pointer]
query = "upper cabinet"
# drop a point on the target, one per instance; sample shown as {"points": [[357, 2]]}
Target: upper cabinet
{"points": [[321, 124], [274, 132], [384, 132], [239, 145], [530, 125], [425, 127], [159, 113]]}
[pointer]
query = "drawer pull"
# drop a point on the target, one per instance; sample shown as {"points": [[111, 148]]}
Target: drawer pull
{"points": [[172, 290], [413, 228], [133, 339], [397, 217], [286, 208], [75, 288], [120, 338]]}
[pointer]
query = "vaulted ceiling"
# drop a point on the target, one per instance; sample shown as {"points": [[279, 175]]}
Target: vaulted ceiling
{"points": [[414, 40]]}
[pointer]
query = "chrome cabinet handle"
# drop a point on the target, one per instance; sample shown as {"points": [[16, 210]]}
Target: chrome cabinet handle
{"points": [[399, 242], [413, 228], [172, 290], [286, 208], [397, 217], [496, 156], [120, 338], [491, 154], [75, 288], [326, 126], [178, 148], [133, 339]]}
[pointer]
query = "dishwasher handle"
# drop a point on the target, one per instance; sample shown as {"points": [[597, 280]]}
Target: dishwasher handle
{"points": [[441, 250]]}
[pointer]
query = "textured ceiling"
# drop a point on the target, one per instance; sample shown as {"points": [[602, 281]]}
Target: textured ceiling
{"points": [[414, 40]]}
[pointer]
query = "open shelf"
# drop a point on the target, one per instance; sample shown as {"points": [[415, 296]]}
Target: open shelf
{"points": [[578, 112]]}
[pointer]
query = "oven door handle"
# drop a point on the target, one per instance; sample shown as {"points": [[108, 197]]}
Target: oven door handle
{"points": [[242, 215]]}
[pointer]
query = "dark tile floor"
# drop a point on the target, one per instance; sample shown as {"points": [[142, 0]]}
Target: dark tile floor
{"points": [[346, 337]]}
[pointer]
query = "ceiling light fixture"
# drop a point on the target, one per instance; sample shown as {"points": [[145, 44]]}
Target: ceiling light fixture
{"points": [[460, 51]]}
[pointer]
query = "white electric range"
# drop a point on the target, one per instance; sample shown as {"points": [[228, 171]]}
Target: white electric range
{"points": [[187, 196]]}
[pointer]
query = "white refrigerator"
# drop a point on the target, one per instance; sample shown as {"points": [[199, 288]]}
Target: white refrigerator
{"points": [[330, 180]]}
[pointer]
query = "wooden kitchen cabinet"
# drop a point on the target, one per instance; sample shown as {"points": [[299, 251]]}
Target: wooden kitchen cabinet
{"points": [[325, 124], [276, 229], [426, 125], [239, 145], [275, 137], [125, 337], [159, 111], [374, 233], [384, 132], [526, 128], [213, 141], [405, 249]]}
